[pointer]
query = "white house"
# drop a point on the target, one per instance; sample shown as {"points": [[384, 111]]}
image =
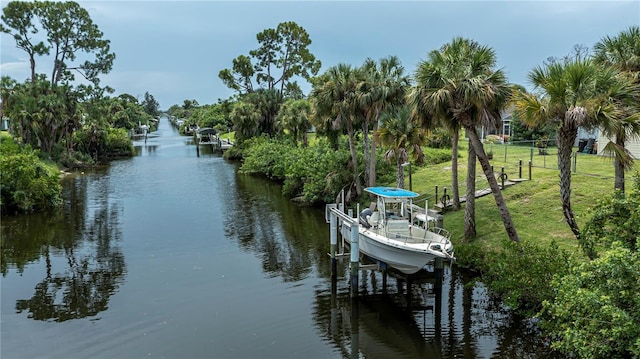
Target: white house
{"points": [[584, 136], [632, 145]]}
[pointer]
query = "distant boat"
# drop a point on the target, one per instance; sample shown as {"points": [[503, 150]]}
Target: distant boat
{"points": [[399, 233], [191, 129], [141, 131]]}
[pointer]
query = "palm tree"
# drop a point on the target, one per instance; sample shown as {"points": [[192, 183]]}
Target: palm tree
{"points": [[571, 93], [294, 117], [622, 53], [458, 83], [245, 118], [7, 85], [267, 103], [403, 138], [423, 112], [382, 86], [334, 97]]}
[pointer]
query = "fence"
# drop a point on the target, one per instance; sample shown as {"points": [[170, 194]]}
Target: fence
{"points": [[515, 160], [546, 157]]}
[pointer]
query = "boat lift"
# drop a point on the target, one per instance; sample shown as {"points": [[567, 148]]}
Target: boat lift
{"points": [[349, 230]]}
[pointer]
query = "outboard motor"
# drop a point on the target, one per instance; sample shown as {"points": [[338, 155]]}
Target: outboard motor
{"points": [[363, 217]]}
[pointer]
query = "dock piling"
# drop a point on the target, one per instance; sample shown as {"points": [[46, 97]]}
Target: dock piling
{"points": [[334, 245], [438, 269], [520, 169], [355, 261]]}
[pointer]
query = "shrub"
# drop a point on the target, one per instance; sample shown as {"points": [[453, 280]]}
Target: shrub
{"points": [[90, 140], [234, 153], [118, 143], [615, 218], [28, 184], [437, 155], [596, 309], [264, 156], [522, 272], [317, 173], [520, 132], [101, 143], [471, 256], [439, 138], [74, 160], [314, 174]]}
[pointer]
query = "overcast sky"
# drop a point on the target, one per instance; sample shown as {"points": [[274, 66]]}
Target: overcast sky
{"points": [[175, 49]]}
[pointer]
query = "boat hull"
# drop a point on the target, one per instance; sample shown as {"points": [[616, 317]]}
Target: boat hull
{"points": [[407, 258]]}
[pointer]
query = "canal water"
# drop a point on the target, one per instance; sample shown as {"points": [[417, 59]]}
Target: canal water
{"points": [[172, 254]]}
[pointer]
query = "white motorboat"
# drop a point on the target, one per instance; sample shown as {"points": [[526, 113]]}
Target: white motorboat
{"points": [[399, 233]]}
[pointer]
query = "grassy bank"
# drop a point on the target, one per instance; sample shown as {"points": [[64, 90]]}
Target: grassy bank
{"points": [[534, 205]]}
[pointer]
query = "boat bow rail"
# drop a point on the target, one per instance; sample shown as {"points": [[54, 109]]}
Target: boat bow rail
{"points": [[443, 236]]}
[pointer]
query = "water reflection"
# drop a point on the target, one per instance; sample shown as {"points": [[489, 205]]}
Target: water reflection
{"points": [[25, 241], [85, 234], [418, 317], [283, 235]]}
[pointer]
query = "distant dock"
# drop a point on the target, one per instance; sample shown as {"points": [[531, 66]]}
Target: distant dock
{"points": [[209, 136]]}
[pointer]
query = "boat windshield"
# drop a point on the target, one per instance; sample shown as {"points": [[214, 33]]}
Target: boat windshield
{"points": [[394, 208]]}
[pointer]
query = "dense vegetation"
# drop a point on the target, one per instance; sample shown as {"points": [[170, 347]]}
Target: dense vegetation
{"points": [[594, 308]]}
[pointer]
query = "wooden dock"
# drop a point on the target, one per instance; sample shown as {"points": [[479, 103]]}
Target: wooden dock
{"points": [[209, 136], [479, 193]]}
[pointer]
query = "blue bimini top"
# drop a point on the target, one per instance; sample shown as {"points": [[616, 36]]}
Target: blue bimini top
{"points": [[391, 192]]}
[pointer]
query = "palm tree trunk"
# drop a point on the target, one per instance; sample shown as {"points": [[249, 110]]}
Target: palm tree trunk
{"points": [[455, 189], [373, 159], [619, 167], [400, 172], [32, 62], [493, 184], [566, 137], [354, 159], [619, 175], [367, 150], [470, 208]]}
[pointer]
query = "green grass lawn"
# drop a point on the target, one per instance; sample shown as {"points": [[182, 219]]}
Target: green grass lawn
{"points": [[231, 136], [534, 205]]}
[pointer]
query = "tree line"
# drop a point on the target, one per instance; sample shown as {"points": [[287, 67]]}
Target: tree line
{"points": [[54, 116], [457, 88]]}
